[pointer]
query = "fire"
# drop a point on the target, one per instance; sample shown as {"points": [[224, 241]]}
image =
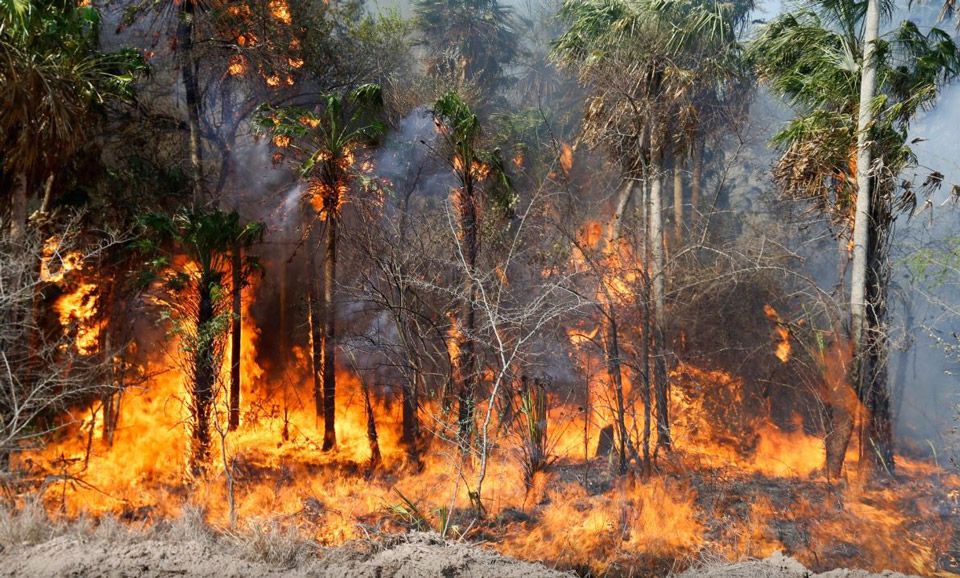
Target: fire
{"points": [[80, 309], [566, 159], [478, 170], [237, 66], [281, 140], [783, 333], [273, 81], [281, 11], [577, 513]]}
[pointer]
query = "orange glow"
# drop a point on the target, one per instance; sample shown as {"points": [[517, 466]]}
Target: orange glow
{"points": [[566, 159], [281, 11]]}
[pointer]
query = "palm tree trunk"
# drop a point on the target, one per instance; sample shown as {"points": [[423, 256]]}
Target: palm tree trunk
{"points": [[235, 335], [329, 333], [677, 200], [876, 438], [614, 370], [204, 375], [696, 177], [191, 88], [18, 209], [468, 349], [316, 339], [657, 269], [861, 226]]}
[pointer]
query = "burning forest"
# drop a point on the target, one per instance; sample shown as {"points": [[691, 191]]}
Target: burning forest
{"points": [[609, 287]]}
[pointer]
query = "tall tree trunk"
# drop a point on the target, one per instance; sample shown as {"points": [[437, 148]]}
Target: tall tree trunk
{"points": [[235, 335], [611, 337], [657, 270], [696, 177], [677, 200], [376, 458], [18, 208], [467, 386], [204, 376], [316, 339], [329, 333], [191, 88], [410, 433], [861, 225], [876, 438], [614, 370]]}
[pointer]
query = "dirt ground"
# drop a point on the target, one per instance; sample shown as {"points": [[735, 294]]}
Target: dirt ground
{"points": [[116, 555], [414, 556]]}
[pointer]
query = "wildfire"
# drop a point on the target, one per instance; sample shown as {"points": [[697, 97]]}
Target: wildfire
{"points": [[566, 159], [281, 11], [237, 66], [783, 333], [79, 309], [478, 170]]}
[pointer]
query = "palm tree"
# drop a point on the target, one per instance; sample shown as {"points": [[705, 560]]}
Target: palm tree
{"points": [[645, 63], [469, 40], [208, 240], [326, 144], [815, 59], [481, 177], [54, 85]]}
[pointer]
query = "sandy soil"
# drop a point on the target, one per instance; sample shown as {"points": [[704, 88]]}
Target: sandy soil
{"points": [[778, 566], [419, 555], [410, 556]]}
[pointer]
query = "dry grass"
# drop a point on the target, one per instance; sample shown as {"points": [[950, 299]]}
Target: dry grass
{"points": [[26, 526], [273, 543]]}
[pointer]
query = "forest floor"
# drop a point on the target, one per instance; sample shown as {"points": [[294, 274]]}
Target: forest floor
{"points": [[411, 556], [33, 547]]}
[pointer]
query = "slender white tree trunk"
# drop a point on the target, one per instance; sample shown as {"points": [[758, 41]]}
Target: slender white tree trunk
{"points": [[861, 225], [656, 293]]}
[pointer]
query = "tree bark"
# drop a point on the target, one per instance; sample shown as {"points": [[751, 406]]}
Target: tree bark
{"points": [[467, 366], [204, 376], [657, 270], [876, 438], [188, 72], [696, 177], [329, 333], [677, 200], [316, 339], [18, 209], [614, 370], [235, 335]]}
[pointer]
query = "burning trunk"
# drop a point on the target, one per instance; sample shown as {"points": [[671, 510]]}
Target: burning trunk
{"points": [[656, 281], [204, 368], [376, 458], [467, 365], [191, 89], [616, 377], [314, 308], [329, 333], [410, 427], [876, 438], [235, 335]]}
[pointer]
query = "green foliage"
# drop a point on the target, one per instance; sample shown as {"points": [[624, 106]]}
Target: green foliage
{"points": [[469, 40], [812, 57], [324, 142], [653, 66], [54, 81], [460, 128]]}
